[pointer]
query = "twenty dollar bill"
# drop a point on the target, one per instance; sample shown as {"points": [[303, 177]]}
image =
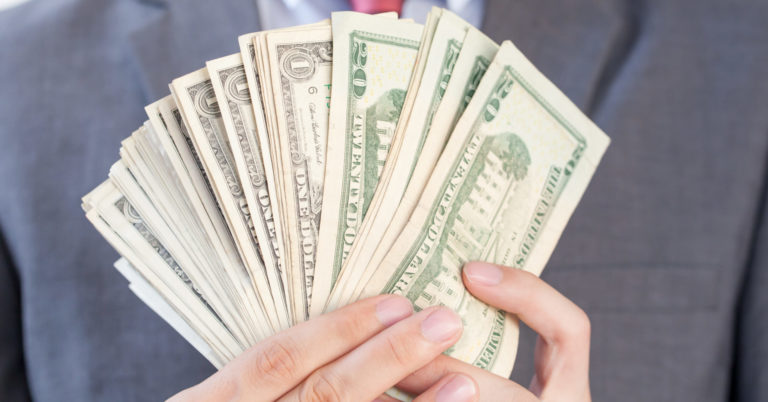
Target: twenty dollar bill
{"points": [[374, 58], [507, 182]]}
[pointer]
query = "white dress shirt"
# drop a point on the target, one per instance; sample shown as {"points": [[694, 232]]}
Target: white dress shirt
{"points": [[284, 13]]}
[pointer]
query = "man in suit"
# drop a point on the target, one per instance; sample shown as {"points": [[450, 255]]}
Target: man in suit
{"points": [[667, 253]]}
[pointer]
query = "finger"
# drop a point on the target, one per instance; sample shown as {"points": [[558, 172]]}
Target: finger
{"points": [[274, 366], [451, 388], [540, 306], [376, 365], [490, 386], [564, 329]]}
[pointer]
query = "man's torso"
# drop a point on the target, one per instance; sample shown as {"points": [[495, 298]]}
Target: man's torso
{"points": [[654, 253]]}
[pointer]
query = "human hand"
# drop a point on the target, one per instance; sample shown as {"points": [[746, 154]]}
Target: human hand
{"points": [[352, 354], [562, 350]]}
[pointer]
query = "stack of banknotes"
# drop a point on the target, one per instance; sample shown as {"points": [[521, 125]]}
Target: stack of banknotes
{"points": [[325, 163]]}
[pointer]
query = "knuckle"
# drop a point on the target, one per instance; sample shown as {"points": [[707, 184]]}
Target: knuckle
{"points": [[351, 326], [400, 353], [583, 325], [322, 386], [580, 328], [517, 275], [277, 361]]}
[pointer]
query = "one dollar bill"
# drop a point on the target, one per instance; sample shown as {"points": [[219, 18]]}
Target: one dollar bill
{"points": [[300, 75], [197, 100]]}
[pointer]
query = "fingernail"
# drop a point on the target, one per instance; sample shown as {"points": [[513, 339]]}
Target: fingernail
{"points": [[460, 389], [483, 273], [393, 309], [441, 325]]}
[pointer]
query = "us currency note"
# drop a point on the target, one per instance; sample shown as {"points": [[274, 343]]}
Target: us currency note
{"points": [[149, 189], [167, 246], [475, 56], [165, 115], [128, 211], [259, 80], [231, 88], [166, 121], [439, 61], [504, 188], [300, 74], [469, 67], [124, 229], [253, 50], [374, 60], [144, 176], [195, 96], [152, 298], [151, 171], [267, 147]]}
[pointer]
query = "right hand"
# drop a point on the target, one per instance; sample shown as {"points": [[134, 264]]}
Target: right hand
{"points": [[562, 351], [352, 354]]}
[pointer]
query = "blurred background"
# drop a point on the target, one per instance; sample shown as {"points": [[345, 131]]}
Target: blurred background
{"points": [[10, 3]]}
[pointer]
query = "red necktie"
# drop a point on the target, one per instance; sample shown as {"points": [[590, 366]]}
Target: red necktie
{"points": [[376, 6]]}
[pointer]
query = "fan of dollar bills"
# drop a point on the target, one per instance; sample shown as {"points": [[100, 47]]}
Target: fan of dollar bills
{"points": [[330, 162]]}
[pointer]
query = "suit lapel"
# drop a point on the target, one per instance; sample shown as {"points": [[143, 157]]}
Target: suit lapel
{"points": [[184, 35], [575, 43]]}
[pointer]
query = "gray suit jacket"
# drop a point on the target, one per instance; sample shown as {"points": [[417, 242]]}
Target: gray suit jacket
{"points": [[668, 251]]}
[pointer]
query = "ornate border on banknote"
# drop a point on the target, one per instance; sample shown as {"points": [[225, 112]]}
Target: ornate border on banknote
{"points": [[351, 94], [478, 71], [448, 63], [298, 62], [558, 179]]}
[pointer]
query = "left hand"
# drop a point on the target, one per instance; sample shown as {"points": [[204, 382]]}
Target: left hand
{"points": [[562, 350]]}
